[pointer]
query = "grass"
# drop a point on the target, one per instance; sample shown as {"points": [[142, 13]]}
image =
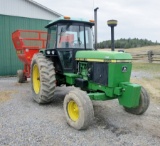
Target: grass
{"points": [[142, 50], [152, 83], [153, 68]]}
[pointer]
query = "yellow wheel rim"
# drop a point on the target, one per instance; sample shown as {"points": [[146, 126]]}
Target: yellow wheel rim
{"points": [[36, 79], [73, 110]]}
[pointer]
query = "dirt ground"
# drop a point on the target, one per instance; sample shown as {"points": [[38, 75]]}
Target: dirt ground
{"points": [[24, 122], [6, 95]]}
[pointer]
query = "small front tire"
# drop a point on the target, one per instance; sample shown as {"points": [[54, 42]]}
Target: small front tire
{"points": [[78, 109], [144, 102]]}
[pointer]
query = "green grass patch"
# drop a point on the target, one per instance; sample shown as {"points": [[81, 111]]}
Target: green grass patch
{"points": [[149, 67], [157, 77]]}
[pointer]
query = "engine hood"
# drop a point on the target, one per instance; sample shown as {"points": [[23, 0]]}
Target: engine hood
{"points": [[102, 56]]}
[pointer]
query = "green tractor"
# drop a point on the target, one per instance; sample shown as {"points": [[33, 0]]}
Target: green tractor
{"points": [[70, 59]]}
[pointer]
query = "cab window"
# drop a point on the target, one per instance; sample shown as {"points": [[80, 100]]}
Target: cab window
{"points": [[51, 44], [70, 36]]}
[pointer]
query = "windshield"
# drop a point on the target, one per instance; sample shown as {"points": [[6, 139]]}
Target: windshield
{"points": [[74, 36]]}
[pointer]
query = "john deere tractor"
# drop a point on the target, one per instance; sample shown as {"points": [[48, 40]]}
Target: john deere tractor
{"points": [[70, 59]]}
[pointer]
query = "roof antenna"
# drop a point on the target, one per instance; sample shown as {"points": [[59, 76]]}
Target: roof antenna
{"points": [[112, 24]]}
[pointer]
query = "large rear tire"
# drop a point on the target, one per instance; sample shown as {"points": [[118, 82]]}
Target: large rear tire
{"points": [[144, 102], [78, 109], [42, 79]]}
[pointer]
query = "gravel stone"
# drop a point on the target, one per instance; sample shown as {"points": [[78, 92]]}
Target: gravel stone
{"points": [[23, 122]]}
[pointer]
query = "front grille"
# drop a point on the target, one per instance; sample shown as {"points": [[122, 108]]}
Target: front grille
{"points": [[98, 73]]}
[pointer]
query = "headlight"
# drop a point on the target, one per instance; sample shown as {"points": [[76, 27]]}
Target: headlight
{"points": [[48, 52], [52, 52]]}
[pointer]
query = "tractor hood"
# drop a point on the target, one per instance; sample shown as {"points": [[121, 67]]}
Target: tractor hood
{"points": [[103, 56]]}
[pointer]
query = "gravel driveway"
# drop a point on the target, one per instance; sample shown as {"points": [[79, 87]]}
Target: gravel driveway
{"points": [[23, 122]]}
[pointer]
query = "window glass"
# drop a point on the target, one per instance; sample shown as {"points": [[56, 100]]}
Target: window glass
{"points": [[66, 58], [70, 36], [89, 37], [51, 44]]}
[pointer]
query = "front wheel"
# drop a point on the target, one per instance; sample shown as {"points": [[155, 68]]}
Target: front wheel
{"points": [[78, 109], [144, 102]]}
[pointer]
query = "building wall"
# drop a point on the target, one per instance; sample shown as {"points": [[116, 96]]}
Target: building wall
{"points": [[9, 62], [25, 8]]}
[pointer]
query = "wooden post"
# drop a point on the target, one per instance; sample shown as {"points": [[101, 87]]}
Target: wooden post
{"points": [[150, 58]]}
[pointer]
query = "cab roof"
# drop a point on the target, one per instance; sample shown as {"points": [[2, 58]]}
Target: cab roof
{"points": [[69, 19]]}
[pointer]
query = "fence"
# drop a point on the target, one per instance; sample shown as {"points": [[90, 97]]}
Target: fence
{"points": [[150, 56], [153, 56]]}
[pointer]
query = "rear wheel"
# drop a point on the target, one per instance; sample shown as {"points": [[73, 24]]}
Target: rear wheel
{"points": [[78, 109], [20, 76], [42, 79], [143, 104]]}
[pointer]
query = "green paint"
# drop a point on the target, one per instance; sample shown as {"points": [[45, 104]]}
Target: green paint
{"points": [[83, 69], [118, 91], [130, 94], [127, 93], [104, 55], [96, 87], [116, 74], [119, 86], [97, 96], [70, 78]]}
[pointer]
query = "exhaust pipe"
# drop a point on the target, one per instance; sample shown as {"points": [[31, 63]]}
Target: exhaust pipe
{"points": [[95, 28]]}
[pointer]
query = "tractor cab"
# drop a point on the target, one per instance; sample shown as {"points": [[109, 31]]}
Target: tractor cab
{"points": [[66, 36]]}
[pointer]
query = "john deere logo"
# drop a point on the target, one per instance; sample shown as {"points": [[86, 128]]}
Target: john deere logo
{"points": [[124, 69]]}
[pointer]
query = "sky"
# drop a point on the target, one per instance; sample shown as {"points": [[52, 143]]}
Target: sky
{"points": [[136, 18]]}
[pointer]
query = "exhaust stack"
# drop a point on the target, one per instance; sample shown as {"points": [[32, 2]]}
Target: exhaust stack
{"points": [[95, 28]]}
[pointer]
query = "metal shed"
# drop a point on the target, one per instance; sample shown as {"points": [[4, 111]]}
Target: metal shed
{"points": [[19, 14]]}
